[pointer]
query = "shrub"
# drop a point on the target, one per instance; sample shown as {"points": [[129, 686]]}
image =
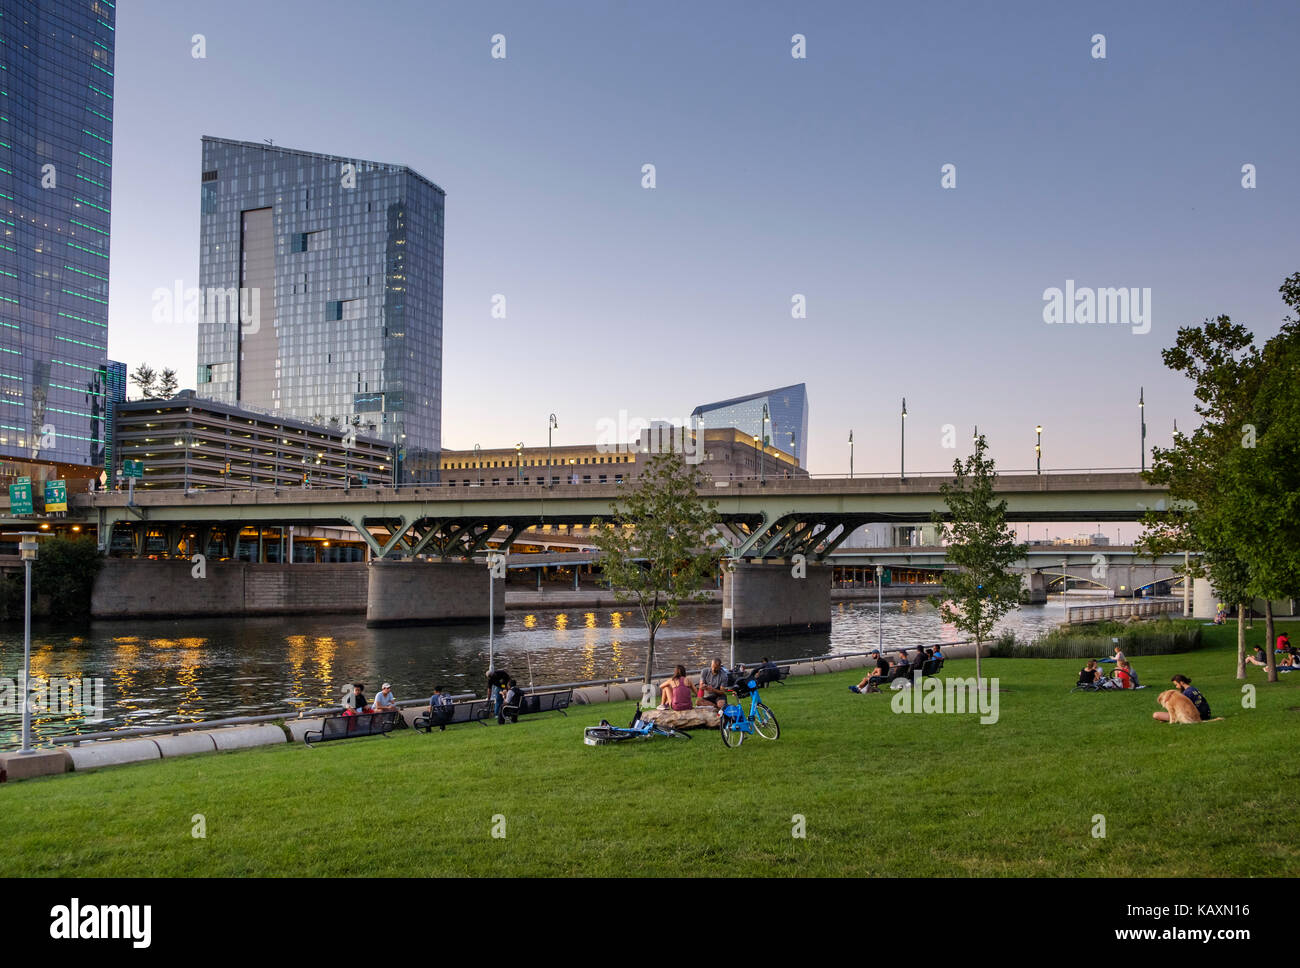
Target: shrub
{"points": [[1162, 636]]}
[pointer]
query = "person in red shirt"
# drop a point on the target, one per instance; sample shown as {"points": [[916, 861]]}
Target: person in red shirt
{"points": [[1124, 675]]}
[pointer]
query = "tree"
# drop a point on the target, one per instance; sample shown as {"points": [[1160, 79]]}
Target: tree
{"points": [[145, 380], [982, 547], [655, 545], [167, 384]]}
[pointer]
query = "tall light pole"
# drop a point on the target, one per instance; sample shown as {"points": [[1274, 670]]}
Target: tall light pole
{"points": [[27, 548], [762, 453], [1142, 417], [478, 465], [519, 461], [880, 605], [731, 570], [552, 424], [1038, 449], [850, 455], [902, 442]]}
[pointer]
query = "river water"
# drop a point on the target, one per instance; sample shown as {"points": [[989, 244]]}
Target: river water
{"points": [[165, 672]]}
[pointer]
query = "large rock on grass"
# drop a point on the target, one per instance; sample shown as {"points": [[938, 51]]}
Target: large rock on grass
{"points": [[699, 717]]}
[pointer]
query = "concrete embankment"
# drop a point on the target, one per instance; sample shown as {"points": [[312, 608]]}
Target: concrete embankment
{"points": [[94, 754]]}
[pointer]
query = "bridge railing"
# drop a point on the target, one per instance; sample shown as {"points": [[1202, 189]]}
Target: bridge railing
{"points": [[1076, 614]]}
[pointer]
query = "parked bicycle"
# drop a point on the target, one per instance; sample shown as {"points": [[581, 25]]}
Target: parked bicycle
{"points": [[604, 734], [736, 724]]}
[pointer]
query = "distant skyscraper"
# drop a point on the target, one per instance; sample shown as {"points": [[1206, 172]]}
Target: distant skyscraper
{"points": [[114, 393], [322, 293], [56, 137], [787, 411]]}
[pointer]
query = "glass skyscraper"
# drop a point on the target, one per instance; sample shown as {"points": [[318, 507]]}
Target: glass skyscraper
{"points": [[787, 412], [56, 164], [114, 393], [321, 285]]}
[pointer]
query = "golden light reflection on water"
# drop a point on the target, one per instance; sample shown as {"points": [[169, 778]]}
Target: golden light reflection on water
{"points": [[530, 621], [590, 620], [126, 660], [616, 620], [311, 669], [561, 621]]}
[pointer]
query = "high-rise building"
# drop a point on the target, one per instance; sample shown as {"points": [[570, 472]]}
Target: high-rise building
{"points": [[114, 393], [780, 416], [56, 164], [321, 282]]}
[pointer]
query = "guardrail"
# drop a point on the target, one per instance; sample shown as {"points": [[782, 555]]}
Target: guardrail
{"points": [[1079, 614]]}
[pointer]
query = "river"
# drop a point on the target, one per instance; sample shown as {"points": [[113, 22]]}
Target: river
{"points": [[164, 672]]}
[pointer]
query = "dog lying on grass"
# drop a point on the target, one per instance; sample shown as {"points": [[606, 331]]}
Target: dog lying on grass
{"points": [[1179, 709]]}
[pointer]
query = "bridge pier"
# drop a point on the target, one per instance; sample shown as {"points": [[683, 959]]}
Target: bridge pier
{"points": [[1035, 586], [429, 593], [769, 599]]}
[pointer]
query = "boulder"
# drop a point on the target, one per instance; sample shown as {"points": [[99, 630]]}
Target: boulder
{"points": [[699, 717]]}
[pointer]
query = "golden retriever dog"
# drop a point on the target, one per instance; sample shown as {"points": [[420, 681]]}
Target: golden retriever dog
{"points": [[1179, 708]]}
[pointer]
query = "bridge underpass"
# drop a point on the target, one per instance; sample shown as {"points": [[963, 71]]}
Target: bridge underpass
{"points": [[768, 527]]}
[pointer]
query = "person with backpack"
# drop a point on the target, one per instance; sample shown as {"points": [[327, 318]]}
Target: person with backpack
{"points": [[440, 708], [514, 698]]}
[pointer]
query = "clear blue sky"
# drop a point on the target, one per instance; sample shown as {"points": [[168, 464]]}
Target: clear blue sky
{"points": [[775, 176]]}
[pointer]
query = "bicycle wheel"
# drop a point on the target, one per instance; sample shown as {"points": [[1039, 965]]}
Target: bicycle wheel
{"points": [[765, 723], [672, 733], [604, 735], [731, 736]]}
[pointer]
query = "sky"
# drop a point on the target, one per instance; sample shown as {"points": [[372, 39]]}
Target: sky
{"points": [[775, 177]]}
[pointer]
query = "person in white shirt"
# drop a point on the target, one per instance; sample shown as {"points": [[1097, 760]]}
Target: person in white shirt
{"points": [[385, 701]]}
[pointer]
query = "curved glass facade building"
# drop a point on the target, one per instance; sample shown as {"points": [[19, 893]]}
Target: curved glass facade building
{"points": [[320, 278], [787, 412], [56, 172]]}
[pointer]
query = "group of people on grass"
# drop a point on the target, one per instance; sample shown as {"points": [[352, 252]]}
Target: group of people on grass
{"points": [[1285, 659], [1125, 676], [900, 668], [679, 693]]}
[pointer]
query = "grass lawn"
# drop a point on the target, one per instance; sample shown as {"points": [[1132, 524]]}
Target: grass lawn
{"points": [[881, 793]]}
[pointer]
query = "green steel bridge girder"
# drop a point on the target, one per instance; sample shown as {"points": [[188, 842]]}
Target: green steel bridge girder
{"points": [[781, 518]]}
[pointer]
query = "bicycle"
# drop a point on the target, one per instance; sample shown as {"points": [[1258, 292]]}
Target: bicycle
{"points": [[736, 724], [604, 734]]}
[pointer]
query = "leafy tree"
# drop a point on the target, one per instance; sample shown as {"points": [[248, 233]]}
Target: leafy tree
{"points": [[145, 380], [64, 575], [982, 547], [655, 545], [167, 384]]}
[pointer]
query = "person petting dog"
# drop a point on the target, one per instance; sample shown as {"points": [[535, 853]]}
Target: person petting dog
{"points": [[1183, 704]]}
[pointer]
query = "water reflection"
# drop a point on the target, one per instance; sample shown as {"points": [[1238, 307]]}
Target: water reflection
{"points": [[186, 671]]}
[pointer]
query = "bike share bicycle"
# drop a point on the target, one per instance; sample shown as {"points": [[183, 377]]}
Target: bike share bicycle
{"points": [[736, 724]]}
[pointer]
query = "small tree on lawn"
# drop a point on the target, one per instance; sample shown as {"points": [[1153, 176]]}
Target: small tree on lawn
{"points": [[982, 547], [655, 545]]}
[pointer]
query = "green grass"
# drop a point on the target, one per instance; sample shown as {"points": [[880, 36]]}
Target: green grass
{"points": [[882, 794]]}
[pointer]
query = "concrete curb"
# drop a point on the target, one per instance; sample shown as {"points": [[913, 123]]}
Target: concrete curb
{"points": [[243, 737], [183, 744], [113, 753]]}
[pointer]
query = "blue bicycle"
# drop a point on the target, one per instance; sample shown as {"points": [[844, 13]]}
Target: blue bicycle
{"points": [[736, 724], [604, 734]]}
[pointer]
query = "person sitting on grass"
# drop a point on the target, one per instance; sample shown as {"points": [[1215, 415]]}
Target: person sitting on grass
{"points": [[385, 701], [1089, 673], [1184, 685], [1284, 642], [870, 683], [1123, 674], [1258, 658], [713, 685], [1117, 658], [675, 693]]}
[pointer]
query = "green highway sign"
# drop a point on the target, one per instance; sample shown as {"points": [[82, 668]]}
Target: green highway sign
{"points": [[56, 495], [20, 496], [133, 468]]}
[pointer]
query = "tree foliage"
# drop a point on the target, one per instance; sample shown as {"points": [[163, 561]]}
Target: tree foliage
{"points": [[655, 544], [981, 546]]}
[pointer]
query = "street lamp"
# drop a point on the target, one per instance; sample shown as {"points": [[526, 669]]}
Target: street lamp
{"points": [[1038, 448], [731, 570], [880, 614], [850, 455], [27, 549], [1142, 417], [478, 465], [552, 424], [902, 441], [763, 428], [519, 461]]}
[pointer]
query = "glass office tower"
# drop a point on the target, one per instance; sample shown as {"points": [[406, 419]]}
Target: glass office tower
{"points": [[114, 393], [56, 164], [787, 412], [321, 283]]}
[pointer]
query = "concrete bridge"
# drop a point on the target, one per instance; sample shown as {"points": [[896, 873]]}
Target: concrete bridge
{"points": [[765, 524]]}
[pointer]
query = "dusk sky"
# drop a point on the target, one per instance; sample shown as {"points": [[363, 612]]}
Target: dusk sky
{"points": [[775, 176]]}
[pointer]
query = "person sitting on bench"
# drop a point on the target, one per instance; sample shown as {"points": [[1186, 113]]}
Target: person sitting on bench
{"points": [[356, 704], [385, 701], [440, 708], [871, 682], [514, 698]]}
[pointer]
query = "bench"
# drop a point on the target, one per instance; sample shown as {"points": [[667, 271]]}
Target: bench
{"points": [[473, 711], [766, 676], [541, 702], [346, 727], [931, 667]]}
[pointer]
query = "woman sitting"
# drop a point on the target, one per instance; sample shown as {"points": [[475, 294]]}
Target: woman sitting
{"points": [[675, 693]]}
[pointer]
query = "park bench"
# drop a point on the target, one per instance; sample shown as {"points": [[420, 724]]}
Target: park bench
{"points": [[541, 702], [931, 667], [347, 727], [472, 711]]}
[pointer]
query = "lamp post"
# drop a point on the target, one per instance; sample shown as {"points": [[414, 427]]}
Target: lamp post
{"points": [[880, 613], [850, 455], [519, 461], [1038, 449], [552, 424], [731, 570], [902, 442], [1142, 417], [27, 549], [478, 465], [762, 453]]}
